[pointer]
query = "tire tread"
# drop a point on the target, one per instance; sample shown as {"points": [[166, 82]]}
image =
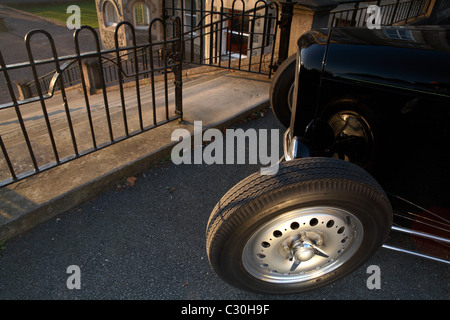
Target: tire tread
{"points": [[307, 175]]}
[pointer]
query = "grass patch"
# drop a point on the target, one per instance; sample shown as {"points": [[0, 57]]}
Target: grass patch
{"points": [[57, 11]]}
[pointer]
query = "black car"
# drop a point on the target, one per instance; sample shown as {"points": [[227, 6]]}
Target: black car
{"points": [[352, 99]]}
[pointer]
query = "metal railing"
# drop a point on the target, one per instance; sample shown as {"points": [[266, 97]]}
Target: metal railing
{"points": [[72, 75], [47, 130], [238, 38], [392, 12], [41, 129], [234, 38]]}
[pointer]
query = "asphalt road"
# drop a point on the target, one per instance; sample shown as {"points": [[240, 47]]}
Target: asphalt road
{"points": [[148, 242]]}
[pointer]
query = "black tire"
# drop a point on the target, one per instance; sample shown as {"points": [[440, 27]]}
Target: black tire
{"points": [[281, 90], [307, 202]]}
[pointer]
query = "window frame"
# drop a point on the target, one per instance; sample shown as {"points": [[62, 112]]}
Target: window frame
{"points": [[231, 34], [106, 14], [146, 9], [188, 15]]}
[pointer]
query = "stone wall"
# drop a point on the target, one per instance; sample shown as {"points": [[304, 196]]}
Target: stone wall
{"points": [[124, 10]]}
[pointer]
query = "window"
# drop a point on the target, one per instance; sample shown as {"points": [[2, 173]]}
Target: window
{"points": [[237, 33], [190, 15], [110, 14], [141, 15]]}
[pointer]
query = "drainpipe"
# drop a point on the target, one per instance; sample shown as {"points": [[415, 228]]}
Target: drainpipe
{"points": [[287, 12]]}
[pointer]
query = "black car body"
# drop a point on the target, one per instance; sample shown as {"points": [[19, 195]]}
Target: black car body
{"points": [[398, 78], [352, 99]]}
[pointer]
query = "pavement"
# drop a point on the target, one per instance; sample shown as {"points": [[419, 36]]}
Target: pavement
{"points": [[217, 98], [147, 242]]}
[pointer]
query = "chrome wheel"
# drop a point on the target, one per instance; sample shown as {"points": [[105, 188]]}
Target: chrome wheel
{"points": [[354, 140], [312, 223], [302, 245]]}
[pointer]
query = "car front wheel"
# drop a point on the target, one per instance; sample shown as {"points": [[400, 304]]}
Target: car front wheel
{"points": [[312, 223]]}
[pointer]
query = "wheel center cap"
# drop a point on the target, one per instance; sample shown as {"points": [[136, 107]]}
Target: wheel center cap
{"points": [[304, 253]]}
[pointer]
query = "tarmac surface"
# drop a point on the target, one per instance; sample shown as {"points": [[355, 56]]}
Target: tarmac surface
{"points": [[148, 242], [213, 98]]}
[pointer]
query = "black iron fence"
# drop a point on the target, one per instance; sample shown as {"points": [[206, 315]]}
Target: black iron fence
{"points": [[141, 56], [94, 99], [236, 37], [391, 12], [72, 76], [46, 130]]}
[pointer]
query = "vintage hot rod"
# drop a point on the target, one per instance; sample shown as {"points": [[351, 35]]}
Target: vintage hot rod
{"points": [[351, 100]]}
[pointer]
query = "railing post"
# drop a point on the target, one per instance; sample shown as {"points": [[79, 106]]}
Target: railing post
{"points": [[92, 76], [409, 11], [355, 13], [395, 12], [3, 27], [428, 7], [179, 92], [23, 86], [177, 69], [285, 22], [297, 17]]}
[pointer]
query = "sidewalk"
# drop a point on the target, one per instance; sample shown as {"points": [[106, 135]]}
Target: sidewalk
{"points": [[218, 99], [222, 100]]}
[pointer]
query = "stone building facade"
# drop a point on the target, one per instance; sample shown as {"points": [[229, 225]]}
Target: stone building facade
{"points": [[234, 36], [138, 12]]}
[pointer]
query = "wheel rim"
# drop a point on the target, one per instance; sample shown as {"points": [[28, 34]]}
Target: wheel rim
{"points": [[290, 97], [353, 136], [302, 245]]}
